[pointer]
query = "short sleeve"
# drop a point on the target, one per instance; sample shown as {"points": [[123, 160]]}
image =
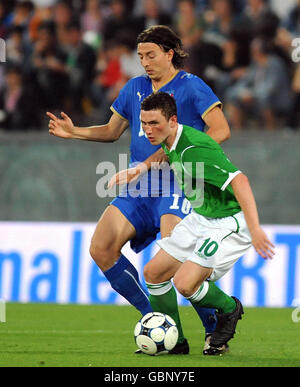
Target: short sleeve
{"points": [[121, 105], [204, 99], [210, 164]]}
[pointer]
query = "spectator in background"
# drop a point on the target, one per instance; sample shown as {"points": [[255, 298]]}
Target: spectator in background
{"points": [[152, 15], [235, 56], [19, 105], [224, 20], [106, 80], [62, 17], [263, 91], [119, 22], [188, 24], [129, 60], [217, 49], [80, 64], [235, 61], [15, 49], [22, 14], [216, 33], [41, 14], [261, 19], [92, 19], [117, 63], [49, 68]]}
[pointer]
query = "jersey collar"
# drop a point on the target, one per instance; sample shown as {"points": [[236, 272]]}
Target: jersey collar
{"points": [[168, 81], [178, 135]]}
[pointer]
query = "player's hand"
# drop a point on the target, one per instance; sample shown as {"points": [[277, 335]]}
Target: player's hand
{"points": [[159, 159], [127, 175], [60, 127], [263, 246]]}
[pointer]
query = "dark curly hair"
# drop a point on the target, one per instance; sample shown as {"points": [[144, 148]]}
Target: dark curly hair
{"points": [[160, 101], [164, 37]]}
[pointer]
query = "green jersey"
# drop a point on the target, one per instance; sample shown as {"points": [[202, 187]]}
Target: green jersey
{"points": [[203, 172]]}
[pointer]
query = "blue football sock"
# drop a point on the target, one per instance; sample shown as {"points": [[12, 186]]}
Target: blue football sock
{"points": [[208, 318], [124, 279]]}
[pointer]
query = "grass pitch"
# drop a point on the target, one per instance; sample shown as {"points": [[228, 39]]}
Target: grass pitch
{"points": [[43, 335]]}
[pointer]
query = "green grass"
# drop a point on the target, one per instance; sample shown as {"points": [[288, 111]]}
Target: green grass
{"points": [[41, 335]]}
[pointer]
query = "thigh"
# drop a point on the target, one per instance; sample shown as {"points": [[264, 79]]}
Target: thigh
{"points": [[161, 268], [113, 230], [190, 276], [141, 213], [181, 243], [168, 223], [233, 246], [171, 210]]}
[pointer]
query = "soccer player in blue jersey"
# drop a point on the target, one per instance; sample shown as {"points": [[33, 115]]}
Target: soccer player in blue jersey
{"points": [[139, 219]]}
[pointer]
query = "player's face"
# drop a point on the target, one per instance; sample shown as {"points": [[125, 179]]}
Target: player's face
{"points": [[156, 62], [156, 127]]}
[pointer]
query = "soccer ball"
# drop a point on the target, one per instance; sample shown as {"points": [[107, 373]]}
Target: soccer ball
{"points": [[155, 333]]}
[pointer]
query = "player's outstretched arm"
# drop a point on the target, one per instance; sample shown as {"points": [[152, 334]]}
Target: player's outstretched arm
{"points": [[244, 195], [63, 127], [218, 128], [130, 175]]}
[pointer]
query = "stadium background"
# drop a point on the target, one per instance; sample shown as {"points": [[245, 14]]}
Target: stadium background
{"points": [[48, 200]]}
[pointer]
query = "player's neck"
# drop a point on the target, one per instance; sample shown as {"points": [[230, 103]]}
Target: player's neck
{"points": [[171, 139], [165, 78]]}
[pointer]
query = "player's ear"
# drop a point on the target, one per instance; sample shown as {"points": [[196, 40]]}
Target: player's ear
{"points": [[173, 120], [171, 54]]}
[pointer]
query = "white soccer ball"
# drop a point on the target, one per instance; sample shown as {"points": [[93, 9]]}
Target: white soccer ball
{"points": [[156, 332]]}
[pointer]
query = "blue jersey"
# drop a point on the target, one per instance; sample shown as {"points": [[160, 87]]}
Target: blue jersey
{"points": [[194, 99], [157, 194]]}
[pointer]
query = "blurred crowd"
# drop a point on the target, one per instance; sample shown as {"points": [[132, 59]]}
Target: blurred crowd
{"points": [[76, 55]]}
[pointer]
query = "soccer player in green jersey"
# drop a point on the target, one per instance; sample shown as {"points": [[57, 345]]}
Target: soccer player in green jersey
{"points": [[223, 225]]}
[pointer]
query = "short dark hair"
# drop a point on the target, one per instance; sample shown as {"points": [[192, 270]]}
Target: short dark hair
{"points": [[164, 37], [160, 101]]}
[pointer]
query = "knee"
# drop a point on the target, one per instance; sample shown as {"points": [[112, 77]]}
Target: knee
{"points": [[184, 287], [103, 255], [148, 273], [152, 274]]}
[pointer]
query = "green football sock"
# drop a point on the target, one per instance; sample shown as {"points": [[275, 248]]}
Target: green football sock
{"points": [[163, 299], [210, 296]]}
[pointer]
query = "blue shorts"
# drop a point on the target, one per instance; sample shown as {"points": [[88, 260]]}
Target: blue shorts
{"points": [[144, 214]]}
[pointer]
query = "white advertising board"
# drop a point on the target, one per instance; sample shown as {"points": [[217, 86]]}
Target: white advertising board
{"points": [[50, 262]]}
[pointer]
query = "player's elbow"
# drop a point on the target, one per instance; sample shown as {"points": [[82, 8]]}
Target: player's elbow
{"points": [[116, 136], [219, 133], [226, 133], [112, 137]]}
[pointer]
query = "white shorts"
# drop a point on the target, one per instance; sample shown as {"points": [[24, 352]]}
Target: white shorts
{"points": [[213, 243]]}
